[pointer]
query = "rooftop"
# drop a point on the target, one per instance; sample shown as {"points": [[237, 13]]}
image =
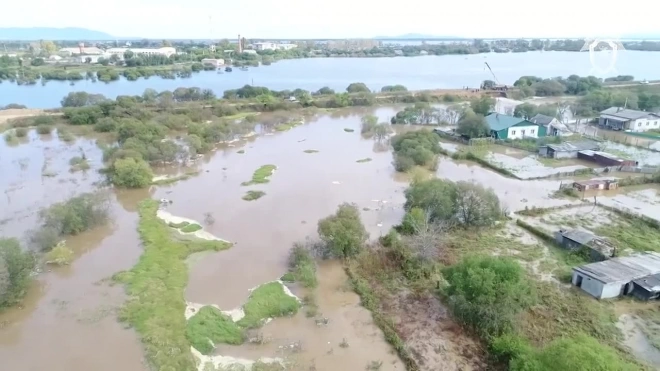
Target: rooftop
{"points": [[499, 122], [624, 113], [649, 283], [541, 119], [574, 146], [626, 268]]}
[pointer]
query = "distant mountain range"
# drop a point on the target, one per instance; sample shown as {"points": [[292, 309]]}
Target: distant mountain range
{"points": [[51, 33], [417, 36]]}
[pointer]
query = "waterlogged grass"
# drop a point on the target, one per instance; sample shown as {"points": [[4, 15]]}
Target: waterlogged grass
{"points": [[349, 130], [268, 301], [632, 234], [190, 228], [155, 286], [261, 175], [253, 195], [311, 151], [287, 126], [178, 225], [175, 179], [302, 266], [210, 326], [363, 160]]}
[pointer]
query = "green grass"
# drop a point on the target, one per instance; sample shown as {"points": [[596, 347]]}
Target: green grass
{"points": [[349, 130], [178, 225], [253, 195], [363, 160], [79, 163], [211, 325], [175, 179], [311, 151], [261, 175], [65, 136], [267, 301], [287, 126], [155, 287], [288, 277], [651, 328], [190, 228], [302, 266], [632, 234]]}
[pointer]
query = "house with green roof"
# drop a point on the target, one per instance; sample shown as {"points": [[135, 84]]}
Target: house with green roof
{"points": [[510, 127]]}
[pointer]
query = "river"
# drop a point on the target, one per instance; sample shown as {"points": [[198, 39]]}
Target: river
{"points": [[416, 73]]}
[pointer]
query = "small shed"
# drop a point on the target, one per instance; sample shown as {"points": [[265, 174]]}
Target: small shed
{"points": [[599, 248], [601, 184], [613, 278], [567, 149], [647, 288], [605, 159]]}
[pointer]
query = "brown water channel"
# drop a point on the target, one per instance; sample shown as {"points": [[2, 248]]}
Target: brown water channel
{"points": [[68, 320]]}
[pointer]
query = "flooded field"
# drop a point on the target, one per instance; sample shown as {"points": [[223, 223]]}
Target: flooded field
{"points": [[69, 317]]}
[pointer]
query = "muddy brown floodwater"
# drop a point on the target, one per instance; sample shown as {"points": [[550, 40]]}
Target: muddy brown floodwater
{"points": [[68, 320]]}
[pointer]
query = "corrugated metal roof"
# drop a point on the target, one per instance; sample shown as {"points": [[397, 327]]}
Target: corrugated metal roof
{"points": [[499, 122], [624, 269], [628, 114], [542, 119], [574, 146], [649, 283]]}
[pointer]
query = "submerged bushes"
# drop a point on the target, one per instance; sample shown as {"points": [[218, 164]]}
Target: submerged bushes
{"points": [[71, 217], [343, 233], [302, 265], [416, 148], [15, 268]]}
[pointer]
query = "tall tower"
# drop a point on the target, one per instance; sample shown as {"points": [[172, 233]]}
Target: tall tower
{"points": [[240, 45]]}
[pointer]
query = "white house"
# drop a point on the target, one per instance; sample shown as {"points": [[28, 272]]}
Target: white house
{"points": [[614, 277], [166, 51], [617, 118], [510, 127], [552, 125]]}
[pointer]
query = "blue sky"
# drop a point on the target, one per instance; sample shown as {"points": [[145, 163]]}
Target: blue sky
{"points": [[338, 18]]}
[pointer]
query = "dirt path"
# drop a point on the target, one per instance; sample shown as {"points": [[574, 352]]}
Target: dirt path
{"points": [[8, 114]]}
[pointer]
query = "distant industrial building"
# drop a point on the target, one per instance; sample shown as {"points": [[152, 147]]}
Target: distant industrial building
{"points": [[273, 46], [82, 50], [216, 62], [617, 118], [631, 275]]}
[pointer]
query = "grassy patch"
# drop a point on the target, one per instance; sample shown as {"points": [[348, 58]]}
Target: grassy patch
{"points": [[261, 175], [349, 130], [632, 234], [287, 126], [59, 255], [44, 129], [11, 138], [651, 328], [288, 277], [240, 151], [267, 301], [65, 135], [210, 326], [78, 163], [155, 286], [174, 179], [253, 195], [311, 151], [363, 160], [178, 225], [303, 266], [190, 228]]}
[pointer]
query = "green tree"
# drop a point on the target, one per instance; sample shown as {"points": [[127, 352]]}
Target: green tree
{"points": [[525, 111], [435, 196], [473, 126], [476, 206], [325, 91], [393, 88], [131, 173], [357, 87], [486, 293], [15, 268], [369, 122], [483, 105], [343, 232]]}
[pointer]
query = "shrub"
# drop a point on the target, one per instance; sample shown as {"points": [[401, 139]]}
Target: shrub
{"points": [[105, 125], [210, 326], [343, 232], [43, 120], [302, 265], [131, 173], [59, 255], [418, 147], [15, 268], [71, 217], [21, 132], [44, 129], [486, 293]]}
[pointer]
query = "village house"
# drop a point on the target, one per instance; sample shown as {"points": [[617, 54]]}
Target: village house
{"points": [[617, 118], [552, 125], [620, 276], [510, 127], [567, 149], [575, 240], [215, 62]]}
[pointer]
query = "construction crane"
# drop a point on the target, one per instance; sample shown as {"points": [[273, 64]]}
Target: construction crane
{"points": [[499, 88], [492, 73]]}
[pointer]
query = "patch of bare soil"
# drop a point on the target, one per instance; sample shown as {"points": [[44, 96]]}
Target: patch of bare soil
{"points": [[14, 113], [436, 342]]}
